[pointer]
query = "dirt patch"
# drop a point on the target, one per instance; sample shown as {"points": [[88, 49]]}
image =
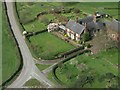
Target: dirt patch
{"points": [[101, 41]]}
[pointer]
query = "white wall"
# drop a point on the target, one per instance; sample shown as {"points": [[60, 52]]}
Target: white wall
{"points": [[72, 36]]}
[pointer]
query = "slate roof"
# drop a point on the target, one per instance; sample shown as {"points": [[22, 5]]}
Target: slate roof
{"points": [[91, 24], [100, 25], [115, 25], [75, 27], [86, 19]]}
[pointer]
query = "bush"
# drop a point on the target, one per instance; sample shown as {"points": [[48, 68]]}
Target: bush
{"points": [[86, 36], [66, 10], [24, 19], [76, 10], [87, 45], [56, 10], [30, 3]]}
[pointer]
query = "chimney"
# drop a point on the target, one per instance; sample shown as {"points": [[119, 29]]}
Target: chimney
{"points": [[77, 19], [94, 17], [66, 21]]}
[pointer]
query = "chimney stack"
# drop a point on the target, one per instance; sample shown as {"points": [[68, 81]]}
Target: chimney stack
{"points": [[94, 17], [77, 19]]}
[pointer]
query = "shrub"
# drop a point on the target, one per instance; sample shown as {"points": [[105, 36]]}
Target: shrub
{"points": [[86, 36], [24, 19], [66, 35], [66, 10], [76, 10], [87, 45], [30, 3]]}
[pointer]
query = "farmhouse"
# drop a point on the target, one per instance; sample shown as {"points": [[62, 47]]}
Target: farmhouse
{"points": [[74, 29], [113, 29]]}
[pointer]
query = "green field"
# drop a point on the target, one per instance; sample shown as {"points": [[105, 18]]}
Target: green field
{"points": [[10, 55], [33, 83], [35, 26], [30, 10], [73, 72], [47, 46], [0, 44], [42, 66]]}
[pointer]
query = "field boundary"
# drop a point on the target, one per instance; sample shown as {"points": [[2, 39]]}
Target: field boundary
{"points": [[4, 84]]}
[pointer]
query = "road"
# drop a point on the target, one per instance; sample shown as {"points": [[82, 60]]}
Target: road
{"points": [[29, 69]]}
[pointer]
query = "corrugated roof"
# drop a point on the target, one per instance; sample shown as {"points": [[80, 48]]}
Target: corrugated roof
{"points": [[75, 27], [62, 27]]}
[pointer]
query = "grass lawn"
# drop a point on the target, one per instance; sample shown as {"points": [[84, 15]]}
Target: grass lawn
{"points": [[89, 7], [0, 45], [38, 25], [35, 26], [10, 55], [47, 46], [42, 67], [51, 78], [96, 65], [33, 83]]}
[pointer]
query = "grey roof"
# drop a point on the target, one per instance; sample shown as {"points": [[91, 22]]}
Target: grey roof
{"points": [[75, 27], [115, 25], [97, 25], [62, 27], [100, 25], [87, 19], [91, 25]]}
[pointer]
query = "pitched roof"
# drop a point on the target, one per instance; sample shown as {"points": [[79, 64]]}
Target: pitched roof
{"points": [[115, 25], [75, 27], [62, 27], [87, 19], [98, 25]]}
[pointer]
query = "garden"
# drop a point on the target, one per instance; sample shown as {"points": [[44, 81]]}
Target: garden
{"points": [[48, 46], [90, 71]]}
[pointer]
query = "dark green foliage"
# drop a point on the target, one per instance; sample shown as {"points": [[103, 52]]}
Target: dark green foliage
{"points": [[76, 10], [86, 36]]}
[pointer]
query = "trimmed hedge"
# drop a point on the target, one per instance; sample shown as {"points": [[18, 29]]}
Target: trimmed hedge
{"points": [[65, 60], [36, 33]]}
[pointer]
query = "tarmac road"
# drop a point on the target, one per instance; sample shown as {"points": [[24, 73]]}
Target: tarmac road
{"points": [[29, 68]]}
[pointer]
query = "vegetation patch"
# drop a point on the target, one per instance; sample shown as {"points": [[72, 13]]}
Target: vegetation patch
{"points": [[10, 55], [90, 71], [35, 26], [48, 46], [31, 10], [33, 83], [42, 66]]}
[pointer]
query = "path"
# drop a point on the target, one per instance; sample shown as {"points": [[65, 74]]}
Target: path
{"points": [[29, 69]]}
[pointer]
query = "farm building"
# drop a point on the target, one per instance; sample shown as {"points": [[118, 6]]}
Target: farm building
{"points": [[113, 29], [52, 27], [74, 29]]}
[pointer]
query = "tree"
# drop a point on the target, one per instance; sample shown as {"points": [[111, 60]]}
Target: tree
{"points": [[76, 10], [86, 36]]}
